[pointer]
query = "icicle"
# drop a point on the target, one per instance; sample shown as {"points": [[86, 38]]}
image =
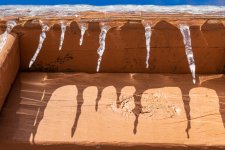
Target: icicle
{"points": [[9, 26], [148, 33], [101, 49], [41, 40], [188, 49], [63, 30], [83, 29]]}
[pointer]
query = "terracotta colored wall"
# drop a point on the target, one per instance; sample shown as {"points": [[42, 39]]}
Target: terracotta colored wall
{"points": [[125, 49], [9, 65]]}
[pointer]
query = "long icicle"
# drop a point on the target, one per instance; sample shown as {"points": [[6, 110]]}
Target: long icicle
{"points": [[63, 30], [185, 31], [83, 28], [41, 41], [9, 26], [148, 33], [101, 49]]}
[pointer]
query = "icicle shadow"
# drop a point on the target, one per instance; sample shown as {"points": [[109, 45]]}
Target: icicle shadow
{"points": [[136, 111], [80, 102]]}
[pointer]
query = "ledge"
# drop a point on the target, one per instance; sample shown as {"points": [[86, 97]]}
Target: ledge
{"points": [[80, 110]]}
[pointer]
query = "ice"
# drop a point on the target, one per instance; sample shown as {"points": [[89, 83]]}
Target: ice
{"points": [[74, 10], [3, 38], [148, 33], [188, 49], [83, 28], [101, 49], [41, 40], [63, 30]]}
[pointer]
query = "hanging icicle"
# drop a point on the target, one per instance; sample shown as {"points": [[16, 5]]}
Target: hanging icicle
{"points": [[83, 28], [185, 31], [148, 33], [3, 38], [101, 49], [41, 41], [63, 30]]}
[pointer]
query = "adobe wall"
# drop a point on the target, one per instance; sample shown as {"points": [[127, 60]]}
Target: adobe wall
{"points": [[9, 66], [125, 48]]}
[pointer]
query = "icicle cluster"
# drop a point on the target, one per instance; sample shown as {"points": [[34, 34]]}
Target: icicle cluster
{"points": [[83, 28], [101, 49], [41, 41], [9, 26], [185, 31], [148, 33], [188, 49], [63, 30]]}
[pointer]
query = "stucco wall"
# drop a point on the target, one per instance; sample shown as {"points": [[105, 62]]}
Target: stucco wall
{"points": [[125, 49], [9, 65]]}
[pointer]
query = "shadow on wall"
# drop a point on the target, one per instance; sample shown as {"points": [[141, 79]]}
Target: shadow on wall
{"points": [[32, 100]]}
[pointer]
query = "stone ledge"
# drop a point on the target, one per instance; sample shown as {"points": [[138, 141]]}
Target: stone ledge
{"points": [[81, 110]]}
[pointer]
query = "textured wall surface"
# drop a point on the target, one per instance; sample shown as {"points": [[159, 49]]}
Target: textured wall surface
{"points": [[9, 65], [111, 111], [125, 49]]}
